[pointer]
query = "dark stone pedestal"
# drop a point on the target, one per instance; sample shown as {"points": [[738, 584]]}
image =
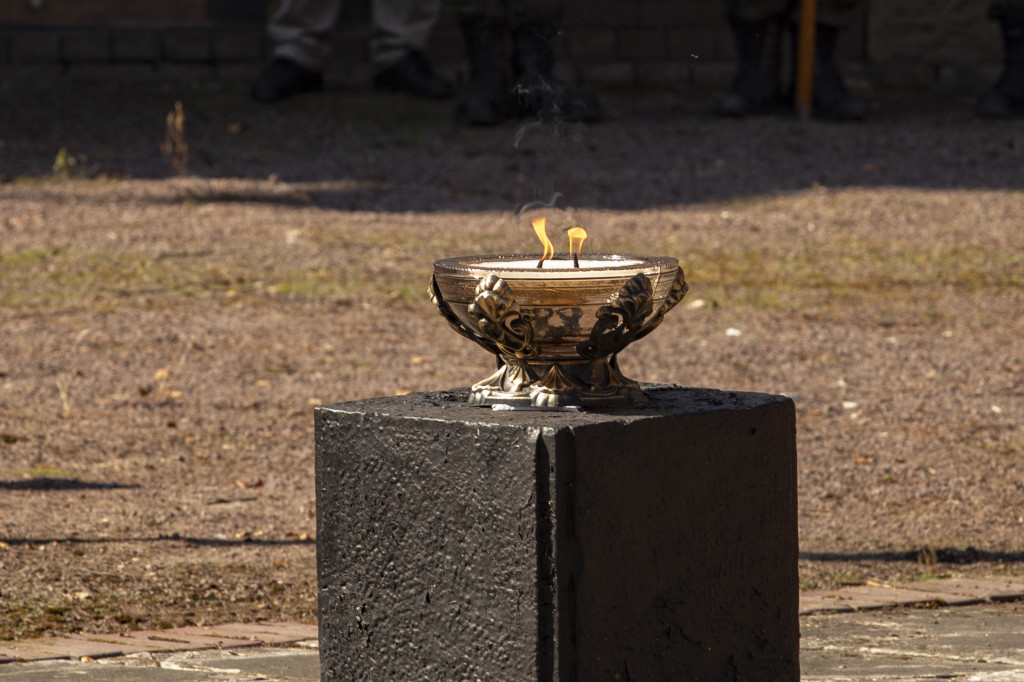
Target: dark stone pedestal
{"points": [[459, 543]]}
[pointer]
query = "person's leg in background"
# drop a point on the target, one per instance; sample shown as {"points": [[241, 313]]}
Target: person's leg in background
{"points": [[1007, 97], [520, 83], [756, 28], [484, 26], [300, 32], [537, 92], [831, 98], [401, 29]]}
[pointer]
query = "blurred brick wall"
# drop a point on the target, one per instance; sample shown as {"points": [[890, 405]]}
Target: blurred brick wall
{"points": [[949, 44], [932, 43]]}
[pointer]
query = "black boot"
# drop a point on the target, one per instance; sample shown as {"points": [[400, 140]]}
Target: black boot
{"points": [[1007, 97], [537, 93], [284, 78], [413, 75], [831, 98], [756, 85], [487, 99]]}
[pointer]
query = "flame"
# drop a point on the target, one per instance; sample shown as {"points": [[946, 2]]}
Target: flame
{"points": [[540, 227], [576, 236]]}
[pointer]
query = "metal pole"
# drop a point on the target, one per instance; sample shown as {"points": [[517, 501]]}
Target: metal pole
{"points": [[804, 86]]}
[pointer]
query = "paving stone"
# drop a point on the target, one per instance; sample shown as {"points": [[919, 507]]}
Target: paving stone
{"points": [[286, 664], [953, 592], [956, 593], [13, 651], [73, 647], [979, 643], [268, 633], [231, 635], [167, 640], [822, 600], [864, 597], [996, 589], [871, 597], [95, 646], [211, 634], [26, 650]]}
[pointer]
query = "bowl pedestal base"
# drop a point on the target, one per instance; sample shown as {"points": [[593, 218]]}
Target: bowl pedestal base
{"points": [[584, 383]]}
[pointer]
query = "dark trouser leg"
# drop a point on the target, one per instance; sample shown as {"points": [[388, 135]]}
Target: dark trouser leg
{"points": [[537, 92], [1007, 97], [755, 87], [486, 101], [831, 98]]}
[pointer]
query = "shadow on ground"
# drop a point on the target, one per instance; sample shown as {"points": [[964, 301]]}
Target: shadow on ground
{"points": [[54, 483], [359, 151], [945, 555]]}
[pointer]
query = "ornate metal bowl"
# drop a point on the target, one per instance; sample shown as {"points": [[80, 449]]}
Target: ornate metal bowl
{"points": [[556, 330]]}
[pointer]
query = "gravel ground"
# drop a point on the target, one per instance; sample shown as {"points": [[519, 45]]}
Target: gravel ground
{"points": [[164, 336]]}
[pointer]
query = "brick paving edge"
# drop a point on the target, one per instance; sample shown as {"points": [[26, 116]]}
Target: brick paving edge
{"points": [[192, 638], [946, 592]]}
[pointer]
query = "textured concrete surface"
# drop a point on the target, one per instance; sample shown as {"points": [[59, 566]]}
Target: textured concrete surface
{"points": [[462, 543]]}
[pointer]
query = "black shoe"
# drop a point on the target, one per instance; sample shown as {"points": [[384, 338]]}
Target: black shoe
{"points": [[412, 75], [282, 79]]}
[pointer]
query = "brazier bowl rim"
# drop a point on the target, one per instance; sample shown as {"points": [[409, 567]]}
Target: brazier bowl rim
{"points": [[616, 263]]}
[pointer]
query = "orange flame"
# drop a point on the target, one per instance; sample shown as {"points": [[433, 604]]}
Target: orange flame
{"points": [[540, 227], [576, 236]]}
